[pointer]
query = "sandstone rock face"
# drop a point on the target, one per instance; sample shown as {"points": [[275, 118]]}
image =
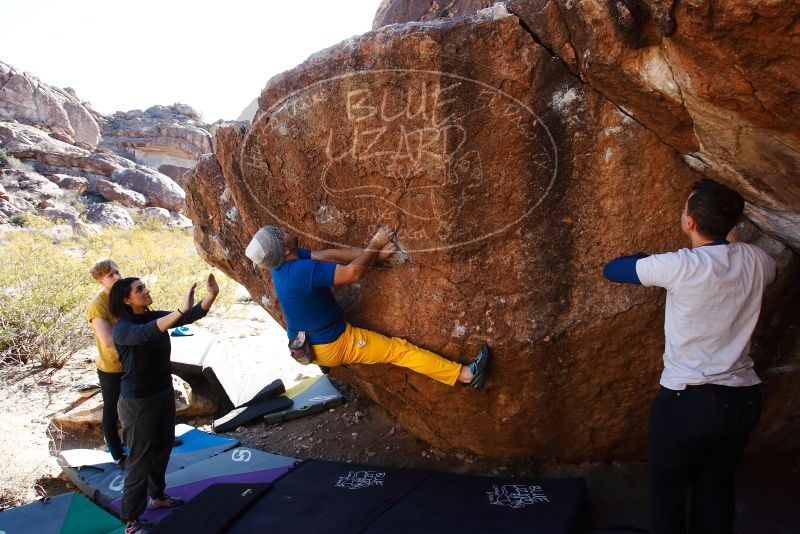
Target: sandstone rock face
{"points": [[27, 191], [108, 215], [48, 131], [715, 79], [174, 171], [161, 135], [511, 181], [57, 158], [393, 11], [115, 192], [218, 234], [56, 216], [159, 189], [25, 99], [77, 184], [33, 187]]}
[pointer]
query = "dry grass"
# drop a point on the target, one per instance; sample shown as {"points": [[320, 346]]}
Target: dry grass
{"points": [[46, 285]]}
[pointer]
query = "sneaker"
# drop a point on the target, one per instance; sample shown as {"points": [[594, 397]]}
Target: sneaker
{"points": [[165, 501], [478, 368], [135, 527]]}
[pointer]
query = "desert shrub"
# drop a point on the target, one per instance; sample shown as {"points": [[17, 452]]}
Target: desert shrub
{"points": [[46, 286], [30, 220], [40, 301], [7, 160], [146, 222]]}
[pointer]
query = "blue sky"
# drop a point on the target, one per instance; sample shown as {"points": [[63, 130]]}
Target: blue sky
{"points": [[214, 56]]}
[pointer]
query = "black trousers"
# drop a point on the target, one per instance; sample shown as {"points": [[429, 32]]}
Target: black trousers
{"points": [[109, 389], [149, 425], [696, 438]]}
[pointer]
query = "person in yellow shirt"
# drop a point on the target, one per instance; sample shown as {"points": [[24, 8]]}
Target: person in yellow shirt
{"points": [[109, 368]]}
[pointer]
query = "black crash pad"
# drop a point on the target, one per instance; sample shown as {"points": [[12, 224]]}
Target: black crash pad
{"points": [[242, 415]]}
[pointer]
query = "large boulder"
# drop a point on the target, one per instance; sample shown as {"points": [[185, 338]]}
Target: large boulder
{"points": [[511, 182], [160, 190], [717, 80], [77, 184], [123, 195], [59, 216], [108, 215], [88, 413], [25, 99], [26, 142]]}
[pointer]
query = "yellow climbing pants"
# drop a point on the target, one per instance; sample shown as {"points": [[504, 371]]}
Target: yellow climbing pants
{"points": [[357, 345]]}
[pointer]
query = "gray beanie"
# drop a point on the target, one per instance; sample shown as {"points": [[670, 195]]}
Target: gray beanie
{"points": [[266, 248]]}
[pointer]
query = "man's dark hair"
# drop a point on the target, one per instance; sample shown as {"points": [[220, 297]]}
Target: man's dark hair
{"points": [[715, 208], [119, 291]]}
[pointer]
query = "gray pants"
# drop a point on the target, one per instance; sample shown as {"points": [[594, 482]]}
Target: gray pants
{"points": [[149, 428]]}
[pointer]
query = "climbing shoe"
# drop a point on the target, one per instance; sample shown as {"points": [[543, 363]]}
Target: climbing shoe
{"points": [[165, 501], [478, 368]]}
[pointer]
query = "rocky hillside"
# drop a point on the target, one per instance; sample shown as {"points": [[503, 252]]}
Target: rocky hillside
{"points": [[62, 160], [517, 149]]}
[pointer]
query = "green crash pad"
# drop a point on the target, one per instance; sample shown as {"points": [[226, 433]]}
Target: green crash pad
{"points": [[308, 396], [69, 513]]}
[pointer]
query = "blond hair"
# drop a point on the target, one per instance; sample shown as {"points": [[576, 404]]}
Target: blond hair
{"points": [[102, 268]]}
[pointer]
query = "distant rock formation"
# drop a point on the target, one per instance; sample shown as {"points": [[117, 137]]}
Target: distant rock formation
{"points": [[47, 135], [161, 135], [249, 112], [49, 156], [516, 151], [27, 100]]}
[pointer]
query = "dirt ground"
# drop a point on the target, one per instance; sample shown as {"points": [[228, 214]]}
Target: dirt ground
{"points": [[360, 431]]}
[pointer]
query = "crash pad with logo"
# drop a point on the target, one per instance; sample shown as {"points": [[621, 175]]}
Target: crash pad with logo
{"points": [[308, 396]]}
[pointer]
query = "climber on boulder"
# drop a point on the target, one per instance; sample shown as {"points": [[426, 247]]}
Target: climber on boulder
{"points": [[303, 279]]}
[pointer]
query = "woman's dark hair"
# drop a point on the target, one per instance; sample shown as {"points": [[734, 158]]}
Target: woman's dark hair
{"points": [[715, 208], [119, 291]]}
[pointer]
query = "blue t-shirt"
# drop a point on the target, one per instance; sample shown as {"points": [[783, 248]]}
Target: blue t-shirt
{"points": [[304, 291]]}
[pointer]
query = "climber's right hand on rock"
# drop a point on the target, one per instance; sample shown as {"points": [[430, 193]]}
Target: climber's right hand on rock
{"points": [[387, 251], [382, 237]]}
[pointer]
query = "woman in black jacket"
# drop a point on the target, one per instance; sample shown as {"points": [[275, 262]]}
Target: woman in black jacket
{"points": [[147, 404]]}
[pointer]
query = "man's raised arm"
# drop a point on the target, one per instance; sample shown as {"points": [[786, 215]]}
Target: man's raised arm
{"points": [[623, 269], [353, 271], [346, 255]]}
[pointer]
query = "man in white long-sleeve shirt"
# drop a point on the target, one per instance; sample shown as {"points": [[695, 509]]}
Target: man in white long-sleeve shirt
{"points": [[709, 401]]}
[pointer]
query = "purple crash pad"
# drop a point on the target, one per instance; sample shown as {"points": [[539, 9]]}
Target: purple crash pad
{"points": [[188, 491]]}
